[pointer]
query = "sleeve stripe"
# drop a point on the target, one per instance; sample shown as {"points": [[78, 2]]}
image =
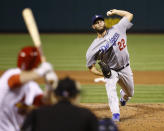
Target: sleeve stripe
{"points": [[14, 81], [38, 100]]}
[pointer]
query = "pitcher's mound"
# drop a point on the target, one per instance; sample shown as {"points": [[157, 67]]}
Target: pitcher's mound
{"points": [[134, 117]]}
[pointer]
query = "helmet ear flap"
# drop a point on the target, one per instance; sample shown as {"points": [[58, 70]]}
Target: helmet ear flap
{"points": [[28, 58]]}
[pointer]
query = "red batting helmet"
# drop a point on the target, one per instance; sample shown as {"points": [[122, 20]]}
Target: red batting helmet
{"points": [[28, 58]]}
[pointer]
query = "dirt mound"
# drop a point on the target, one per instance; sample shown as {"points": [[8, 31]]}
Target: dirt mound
{"points": [[134, 117]]}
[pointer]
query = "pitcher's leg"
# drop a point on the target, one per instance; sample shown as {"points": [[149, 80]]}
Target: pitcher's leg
{"points": [[112, 93], [127, 84], [127, 90]]}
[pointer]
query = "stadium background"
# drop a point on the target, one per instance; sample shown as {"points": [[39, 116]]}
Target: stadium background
{"points": [[75, 15], [66, 33]]}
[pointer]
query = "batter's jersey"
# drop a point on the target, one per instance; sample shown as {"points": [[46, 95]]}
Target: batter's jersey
{"points": [[115, 42], [10, 119]]}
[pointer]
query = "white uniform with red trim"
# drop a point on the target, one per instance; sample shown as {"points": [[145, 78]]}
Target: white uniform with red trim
{"points": [[10, 119]]}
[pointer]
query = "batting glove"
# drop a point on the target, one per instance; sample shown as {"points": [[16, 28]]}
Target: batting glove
{"points": [[44, 68]]}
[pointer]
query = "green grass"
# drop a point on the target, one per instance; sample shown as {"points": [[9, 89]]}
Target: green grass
{"points": [[146, 51], [142, 94], [67, 51]]}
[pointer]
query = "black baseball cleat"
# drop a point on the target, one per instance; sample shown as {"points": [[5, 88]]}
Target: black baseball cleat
{"points": [[122, 102]]}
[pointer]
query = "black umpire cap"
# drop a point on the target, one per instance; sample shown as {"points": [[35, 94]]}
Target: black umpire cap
{"points": [[97, 17], [67, 88]]}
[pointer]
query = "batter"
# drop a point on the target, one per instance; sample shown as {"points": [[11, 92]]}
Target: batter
{"points": [[19, 93]]}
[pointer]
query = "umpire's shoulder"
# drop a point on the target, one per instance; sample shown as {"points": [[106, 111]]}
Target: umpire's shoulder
{"points": [[42, 109], [86, 111]]}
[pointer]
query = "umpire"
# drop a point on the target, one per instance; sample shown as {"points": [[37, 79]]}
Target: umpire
{"points": [[65, 115]]}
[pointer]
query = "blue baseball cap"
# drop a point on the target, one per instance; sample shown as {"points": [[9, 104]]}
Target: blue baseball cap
{"points": [[96, 17]]}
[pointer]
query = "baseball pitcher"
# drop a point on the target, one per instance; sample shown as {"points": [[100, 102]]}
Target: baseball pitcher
{"points": [[109, 49]]}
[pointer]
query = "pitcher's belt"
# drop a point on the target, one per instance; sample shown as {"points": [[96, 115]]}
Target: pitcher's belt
{"points": [[119, 69]]}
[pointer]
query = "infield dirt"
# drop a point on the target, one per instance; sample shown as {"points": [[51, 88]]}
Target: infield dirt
{"points": [[140, 77]]}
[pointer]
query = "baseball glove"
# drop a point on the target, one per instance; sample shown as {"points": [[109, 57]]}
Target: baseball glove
{"points": [[105, 69], [99, 55]]}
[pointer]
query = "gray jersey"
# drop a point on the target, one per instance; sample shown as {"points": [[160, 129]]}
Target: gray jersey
{"points": [[114, 41]]}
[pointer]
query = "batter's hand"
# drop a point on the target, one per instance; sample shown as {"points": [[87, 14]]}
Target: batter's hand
{"points": [[111, 12], [44, 68], [51, 79]]}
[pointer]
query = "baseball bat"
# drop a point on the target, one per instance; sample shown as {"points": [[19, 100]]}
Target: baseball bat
{"points": [[33, 30]]}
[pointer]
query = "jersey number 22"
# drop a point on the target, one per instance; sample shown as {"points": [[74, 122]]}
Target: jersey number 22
{"points": [[121, 44]]}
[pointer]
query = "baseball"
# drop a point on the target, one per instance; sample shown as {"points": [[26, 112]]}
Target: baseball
{"points": [[109, 13]]}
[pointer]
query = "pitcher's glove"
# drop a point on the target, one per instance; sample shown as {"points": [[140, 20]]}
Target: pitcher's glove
{"points": [[99, 55], [105, 69]]}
